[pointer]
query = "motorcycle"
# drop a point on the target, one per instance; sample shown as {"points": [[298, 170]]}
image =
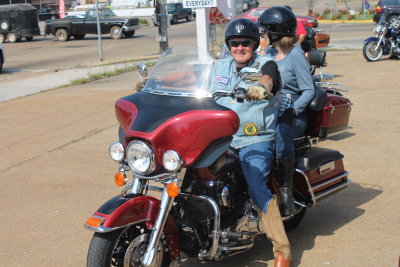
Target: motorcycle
{"points": [[187, 192], [385, 42]]}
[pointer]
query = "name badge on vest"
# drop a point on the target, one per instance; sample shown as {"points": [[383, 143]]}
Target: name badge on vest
{"points": [[221, 80], [250, 129]]}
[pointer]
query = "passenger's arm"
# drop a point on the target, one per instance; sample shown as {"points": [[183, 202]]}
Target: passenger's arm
{"points": [[305, 84]]}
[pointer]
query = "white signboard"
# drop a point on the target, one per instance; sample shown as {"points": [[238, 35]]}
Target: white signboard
{"points": [[199, 3]]}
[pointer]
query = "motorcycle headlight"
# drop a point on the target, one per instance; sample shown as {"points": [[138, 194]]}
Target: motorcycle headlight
{"points": [[172, 161], [117, 151], [140, 157]]}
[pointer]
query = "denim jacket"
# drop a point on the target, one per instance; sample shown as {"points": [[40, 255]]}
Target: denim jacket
{"points": [[257, 123]]}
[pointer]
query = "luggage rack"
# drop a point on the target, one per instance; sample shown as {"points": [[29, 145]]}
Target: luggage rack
{"points": [[334, 87]]}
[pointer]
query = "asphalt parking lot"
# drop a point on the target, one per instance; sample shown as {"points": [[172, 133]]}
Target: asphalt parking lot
{"points": [[55, 172]]}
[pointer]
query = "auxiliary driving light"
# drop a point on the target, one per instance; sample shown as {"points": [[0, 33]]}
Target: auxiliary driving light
{"points": [[117, 151], [172, 161]]}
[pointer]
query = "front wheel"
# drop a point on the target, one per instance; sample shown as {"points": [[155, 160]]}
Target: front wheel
{"points": [[371, 52], [116, 32], [124, 247]]}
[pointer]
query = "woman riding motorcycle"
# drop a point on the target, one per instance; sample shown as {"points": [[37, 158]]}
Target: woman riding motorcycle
{"points": [[280, 24]]}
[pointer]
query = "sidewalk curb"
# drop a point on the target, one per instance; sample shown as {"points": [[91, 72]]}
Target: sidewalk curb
{"points": [[61, 78], [323, 21]]}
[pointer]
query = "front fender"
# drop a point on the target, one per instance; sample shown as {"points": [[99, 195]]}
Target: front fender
{"points": [[121, 211], [370, 39]]}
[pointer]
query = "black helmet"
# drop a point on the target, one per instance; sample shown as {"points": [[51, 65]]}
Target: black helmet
{"points": [[279, 20], [244, 28]]}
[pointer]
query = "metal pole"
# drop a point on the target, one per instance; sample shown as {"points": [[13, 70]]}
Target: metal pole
{"points": [[162, 18], [99, 31]]}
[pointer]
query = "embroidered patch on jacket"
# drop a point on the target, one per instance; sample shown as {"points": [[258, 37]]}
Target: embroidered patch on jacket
{"points": [[250, 129], [223, 80]]}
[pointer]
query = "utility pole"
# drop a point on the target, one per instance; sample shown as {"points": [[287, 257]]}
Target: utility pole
{"points": [[99, 31], [162, 20]]}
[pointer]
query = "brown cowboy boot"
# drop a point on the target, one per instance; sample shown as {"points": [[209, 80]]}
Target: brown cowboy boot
{"points": [[273, 227]]}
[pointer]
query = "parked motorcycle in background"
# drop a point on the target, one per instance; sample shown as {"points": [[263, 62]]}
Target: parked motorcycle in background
{"points": [[386, 41]]}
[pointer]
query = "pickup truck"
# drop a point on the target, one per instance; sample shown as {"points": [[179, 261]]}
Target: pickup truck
{"points": [[175, 11], [78, 27]]}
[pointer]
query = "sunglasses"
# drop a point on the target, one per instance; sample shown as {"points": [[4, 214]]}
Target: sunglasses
{"points": [[244, 43]]}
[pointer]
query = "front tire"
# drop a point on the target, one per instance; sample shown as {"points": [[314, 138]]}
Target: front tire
{"points": [[370, 53], [124, 247], [116, 32], [189, 17]]}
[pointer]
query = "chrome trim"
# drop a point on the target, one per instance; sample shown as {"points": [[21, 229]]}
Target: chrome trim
{"points": [[333, 189], [215, 233], [102, 229], [152, 165], [131, 28], [165, 206], [315, 197], [331, 180], [237, 248], [309, 186], [336, 87]]}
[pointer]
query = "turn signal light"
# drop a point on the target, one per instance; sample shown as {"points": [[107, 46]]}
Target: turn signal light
{"points": [[173, 189], [94, 222], [120, 179]]}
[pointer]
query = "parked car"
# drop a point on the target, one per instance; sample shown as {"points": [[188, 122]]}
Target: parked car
{"points": [[176, 12], [254, 13], [249, 4], [2, 57], [394, 10], [18, 21], [48, 13], [78, 27]]}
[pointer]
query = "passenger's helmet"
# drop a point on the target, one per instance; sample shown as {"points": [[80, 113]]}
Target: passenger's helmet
{"points": [[279, 20], [242, 28]]}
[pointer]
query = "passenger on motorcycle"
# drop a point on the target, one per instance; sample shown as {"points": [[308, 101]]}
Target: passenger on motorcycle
{"points": [[254, 139], [279, 24]]}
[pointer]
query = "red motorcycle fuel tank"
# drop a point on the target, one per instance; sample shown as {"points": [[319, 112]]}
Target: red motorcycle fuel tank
{"points": [[187, 125]]}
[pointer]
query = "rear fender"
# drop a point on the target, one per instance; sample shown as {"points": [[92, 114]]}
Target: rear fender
{"points": [[370, 39]]}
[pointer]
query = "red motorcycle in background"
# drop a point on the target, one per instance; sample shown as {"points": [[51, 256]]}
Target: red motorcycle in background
{"points": [[174, 140]]}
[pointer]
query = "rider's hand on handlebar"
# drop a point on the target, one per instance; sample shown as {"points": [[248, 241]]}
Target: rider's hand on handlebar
{"points": [[256, 92]]}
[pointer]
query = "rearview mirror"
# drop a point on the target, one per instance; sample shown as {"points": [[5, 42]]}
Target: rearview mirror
{"points": [[141, 70]]}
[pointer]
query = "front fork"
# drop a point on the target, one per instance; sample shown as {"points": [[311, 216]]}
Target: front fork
{"points": [[379, 42], [165, 206], [157, 230]]}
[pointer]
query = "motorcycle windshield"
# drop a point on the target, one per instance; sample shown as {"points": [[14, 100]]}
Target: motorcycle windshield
{"points": [[181, 71]]}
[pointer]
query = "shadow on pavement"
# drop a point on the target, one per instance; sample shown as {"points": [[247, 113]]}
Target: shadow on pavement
{"points": [[322, 220]]}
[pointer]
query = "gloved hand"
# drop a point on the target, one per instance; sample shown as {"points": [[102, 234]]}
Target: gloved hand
{"points": [[256, 92], [139, 86]]}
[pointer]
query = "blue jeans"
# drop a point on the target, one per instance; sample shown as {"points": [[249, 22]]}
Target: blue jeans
{"points": [[286, 133], [256, 162]]}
